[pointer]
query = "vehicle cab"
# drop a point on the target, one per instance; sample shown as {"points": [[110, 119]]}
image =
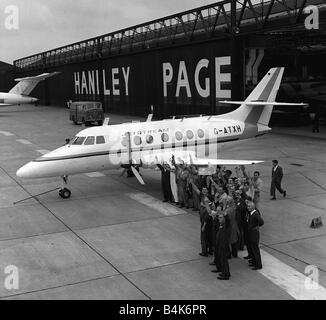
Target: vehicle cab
{"points": [[86, 112]]}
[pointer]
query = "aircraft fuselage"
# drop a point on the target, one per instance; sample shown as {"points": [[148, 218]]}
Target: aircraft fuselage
{"points": [[203, 136], [11, 98]]}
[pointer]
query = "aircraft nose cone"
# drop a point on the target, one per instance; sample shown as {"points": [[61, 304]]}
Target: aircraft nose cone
{"points": [[24, 172]]}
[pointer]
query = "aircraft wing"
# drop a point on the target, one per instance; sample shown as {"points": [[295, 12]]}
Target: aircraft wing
{"points": [[223, 162], [189, 158]]}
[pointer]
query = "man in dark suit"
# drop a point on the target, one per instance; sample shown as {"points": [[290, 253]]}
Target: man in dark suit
{"points": [[277, 175], [222, 250], [241, 216], [165, 181], [254, 222], [316, 107]]}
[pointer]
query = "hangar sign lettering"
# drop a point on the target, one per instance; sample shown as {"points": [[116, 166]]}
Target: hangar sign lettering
{"points": [[177, 79], [88, 82]]}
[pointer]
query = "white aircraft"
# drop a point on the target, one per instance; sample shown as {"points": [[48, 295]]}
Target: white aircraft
{"points": [[193, 141], [19, 94]]}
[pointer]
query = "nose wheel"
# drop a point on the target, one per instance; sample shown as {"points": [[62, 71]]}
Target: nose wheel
{"points": [[64, 192]]}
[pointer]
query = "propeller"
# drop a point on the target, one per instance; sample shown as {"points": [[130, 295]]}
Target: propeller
{"points": [[137, 175], [131, 166]]}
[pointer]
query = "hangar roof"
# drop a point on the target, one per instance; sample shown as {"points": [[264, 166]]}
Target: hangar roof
{"points": [[223, 19]]}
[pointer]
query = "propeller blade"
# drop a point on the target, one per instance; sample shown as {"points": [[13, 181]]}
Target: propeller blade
{"points": [[137, 175]]}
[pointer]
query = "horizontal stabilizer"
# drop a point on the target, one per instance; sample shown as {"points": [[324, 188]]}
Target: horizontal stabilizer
{"points": [[264, 103], [26, 85], [40, 77]]}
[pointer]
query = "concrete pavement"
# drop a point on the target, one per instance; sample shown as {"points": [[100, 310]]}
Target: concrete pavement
{"points": [[114, 240]]}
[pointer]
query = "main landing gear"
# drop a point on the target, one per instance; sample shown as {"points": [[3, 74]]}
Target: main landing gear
{"points": [[64, 192]]}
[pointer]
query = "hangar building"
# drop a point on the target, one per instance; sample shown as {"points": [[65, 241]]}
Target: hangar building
{"points": [[185, 63]]}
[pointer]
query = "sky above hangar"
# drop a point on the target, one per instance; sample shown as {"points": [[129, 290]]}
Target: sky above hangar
{"points": [[47, 24]]}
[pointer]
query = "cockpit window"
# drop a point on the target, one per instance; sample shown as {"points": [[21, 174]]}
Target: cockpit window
{"points": [[89, 141], [100, 140], [78, 141]]}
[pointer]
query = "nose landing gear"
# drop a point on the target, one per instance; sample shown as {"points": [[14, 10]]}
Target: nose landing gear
{"points": [[64, 192]]}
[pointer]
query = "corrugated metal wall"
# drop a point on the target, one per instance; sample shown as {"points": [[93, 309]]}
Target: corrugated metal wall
{"points": [[176, 80]]}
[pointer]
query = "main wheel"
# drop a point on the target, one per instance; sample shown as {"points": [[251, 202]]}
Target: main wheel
{"points": [[65, 193]]}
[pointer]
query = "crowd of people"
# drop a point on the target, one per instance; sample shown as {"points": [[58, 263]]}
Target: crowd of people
{"points": [[229, 208]]}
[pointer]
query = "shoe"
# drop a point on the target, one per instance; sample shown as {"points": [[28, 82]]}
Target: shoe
{"points": [[273, 198], [176, 203], [222, 275], [223, 278], [212, 264], [250, 261], [256, 268], [203, 254], [247, 257], [284, 194], [251, 265], [215, 271], [164, 200]]}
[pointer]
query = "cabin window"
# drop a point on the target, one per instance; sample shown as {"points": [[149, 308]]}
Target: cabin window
{"points": [[178, 135], [190, 134], [72, 140], [149, 139], [89, 141], [137, 140], [165, 137], [124, 141], [100, 140], [79, 141], [201, 133]]}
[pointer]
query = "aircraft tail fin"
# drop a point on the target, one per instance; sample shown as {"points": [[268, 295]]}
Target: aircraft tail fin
{"points": [[258, 107], [26, 85]]}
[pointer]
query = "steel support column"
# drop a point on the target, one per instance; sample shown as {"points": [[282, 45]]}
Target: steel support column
{"points": [[236, 47]]}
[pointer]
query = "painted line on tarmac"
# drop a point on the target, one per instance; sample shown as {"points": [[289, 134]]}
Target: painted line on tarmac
{"points": [[155, 204], [6, 133], [289, 279], [23, 141], [95, 174], [43, 151]]}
